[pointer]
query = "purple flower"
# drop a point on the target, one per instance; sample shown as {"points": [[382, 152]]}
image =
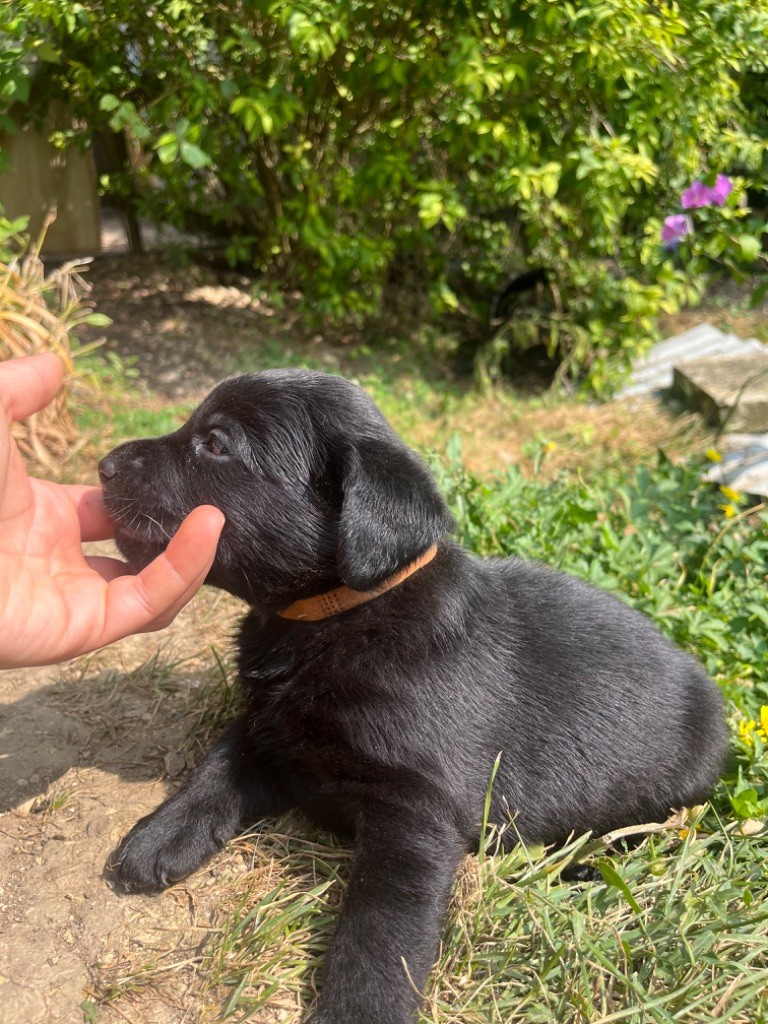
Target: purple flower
{"points": [[721, 191], [697, 195], [675, 229], [700, 194]]}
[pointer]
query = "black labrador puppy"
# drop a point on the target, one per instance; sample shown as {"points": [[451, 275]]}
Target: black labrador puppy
{"points": [[384, 669]]}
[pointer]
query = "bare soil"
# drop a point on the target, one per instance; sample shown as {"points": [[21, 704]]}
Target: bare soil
{"points": [[85, 750]]}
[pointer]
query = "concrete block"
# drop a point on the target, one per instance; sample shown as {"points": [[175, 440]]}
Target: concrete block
{"points": [[654, 373], [730, 390], [745, 464]]}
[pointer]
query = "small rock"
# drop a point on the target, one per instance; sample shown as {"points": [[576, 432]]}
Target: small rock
{"points": [[175, 763]]}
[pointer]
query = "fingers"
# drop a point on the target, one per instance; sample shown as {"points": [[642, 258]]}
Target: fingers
{"points": [[152, 599], [28, 385], [95, 523]]}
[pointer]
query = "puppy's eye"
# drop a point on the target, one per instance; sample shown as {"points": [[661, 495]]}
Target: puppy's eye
{"points": [[215, 443]]}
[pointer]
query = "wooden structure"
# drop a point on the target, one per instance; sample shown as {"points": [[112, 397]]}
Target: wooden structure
{"points": [[39, 178]]}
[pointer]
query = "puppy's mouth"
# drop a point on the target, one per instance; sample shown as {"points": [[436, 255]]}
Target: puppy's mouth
{"points": [[140, 534]]}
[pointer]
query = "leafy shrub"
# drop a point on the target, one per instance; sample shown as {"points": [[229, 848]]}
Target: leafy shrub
{"points": [[323, 140], [663, 540]]}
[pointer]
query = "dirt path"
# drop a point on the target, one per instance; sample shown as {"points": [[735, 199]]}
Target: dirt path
{"points": [[84, 752]]}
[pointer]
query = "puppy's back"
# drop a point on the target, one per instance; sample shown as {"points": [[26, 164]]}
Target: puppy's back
{"points": [[605, 723]]}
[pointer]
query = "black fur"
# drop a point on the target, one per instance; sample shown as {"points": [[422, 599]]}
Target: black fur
{"points": [[384, 722]]}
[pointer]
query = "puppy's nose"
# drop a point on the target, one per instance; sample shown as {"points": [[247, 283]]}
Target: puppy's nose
{"points": [[107, 469]]}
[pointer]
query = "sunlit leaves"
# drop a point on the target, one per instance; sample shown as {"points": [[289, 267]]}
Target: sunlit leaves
{"points": [[500, 136]]}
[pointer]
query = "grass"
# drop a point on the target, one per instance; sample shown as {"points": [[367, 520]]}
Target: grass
{"points": [[675, 932]]}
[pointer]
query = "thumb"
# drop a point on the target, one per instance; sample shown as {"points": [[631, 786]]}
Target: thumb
{"points": [[151, 600]]}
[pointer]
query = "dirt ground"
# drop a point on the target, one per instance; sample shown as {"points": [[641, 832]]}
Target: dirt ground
{"points": [[84, 751]]}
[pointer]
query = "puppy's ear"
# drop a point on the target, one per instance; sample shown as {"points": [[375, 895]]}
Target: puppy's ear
{"points": [[391, 512]]}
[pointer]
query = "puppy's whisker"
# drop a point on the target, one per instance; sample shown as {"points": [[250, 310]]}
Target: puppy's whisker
{"points": [[160, 526], [125, 506], [134, 519]]}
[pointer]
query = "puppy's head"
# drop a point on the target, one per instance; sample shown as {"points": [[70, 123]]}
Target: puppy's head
{"points": [[316, 488]]}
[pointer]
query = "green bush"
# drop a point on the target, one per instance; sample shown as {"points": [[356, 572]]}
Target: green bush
{"points": [[324, 140]]}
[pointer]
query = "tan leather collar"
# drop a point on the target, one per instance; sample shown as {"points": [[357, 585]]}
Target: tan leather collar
{"points": [[333, 602]]}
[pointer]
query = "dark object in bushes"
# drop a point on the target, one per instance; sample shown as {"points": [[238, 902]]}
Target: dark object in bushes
{"points": [[384, 721], [506, 300], [519, 343]]}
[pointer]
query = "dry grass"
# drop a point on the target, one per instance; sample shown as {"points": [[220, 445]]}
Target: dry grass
{"points": [[41, 313], [504, 429]]}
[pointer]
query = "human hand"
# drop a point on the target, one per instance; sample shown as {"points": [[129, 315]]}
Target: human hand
{"points": [[55, 603]]}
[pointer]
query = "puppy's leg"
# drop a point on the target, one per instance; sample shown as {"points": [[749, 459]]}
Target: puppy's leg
{"points": [[225, 794], [387, 937]]}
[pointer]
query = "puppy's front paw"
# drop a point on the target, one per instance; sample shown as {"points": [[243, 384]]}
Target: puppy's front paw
{"points": [[165, 847]]}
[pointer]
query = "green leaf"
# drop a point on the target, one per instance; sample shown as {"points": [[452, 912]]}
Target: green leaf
{"points": [[747, 804], [431, 208], [167, 150], [17, 226], [20, 88], [749, 247], [194, 156], [613, 878], [96, 320], [47, 52], [448, 297], [109, 102]]}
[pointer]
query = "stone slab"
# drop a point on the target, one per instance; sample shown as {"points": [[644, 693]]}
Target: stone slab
{"points": [[655, 372], [731, 391], [745, 464], [745, 455]]}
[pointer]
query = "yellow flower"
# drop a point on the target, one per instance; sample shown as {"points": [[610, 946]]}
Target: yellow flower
{"points": [[714, 455], [735, 496], [549, 446], [748, 728], [763, 730], [729, 510]]}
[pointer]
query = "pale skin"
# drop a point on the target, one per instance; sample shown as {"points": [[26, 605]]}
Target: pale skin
{"points": [[55, 602]]}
